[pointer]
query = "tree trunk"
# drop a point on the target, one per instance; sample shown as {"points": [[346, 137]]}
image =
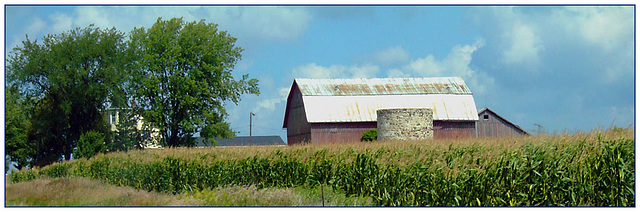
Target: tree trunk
{"points": [[67, 152], [67, 155], [173, 140]]}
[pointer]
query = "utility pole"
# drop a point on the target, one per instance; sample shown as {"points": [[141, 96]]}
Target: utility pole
{"points": [[251, 114]]}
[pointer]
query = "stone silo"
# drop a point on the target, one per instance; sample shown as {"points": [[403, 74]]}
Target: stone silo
{"points": [[405, 124]]}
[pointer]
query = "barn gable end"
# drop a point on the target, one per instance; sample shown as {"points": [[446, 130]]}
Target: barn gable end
{"points": [[295, 118]]}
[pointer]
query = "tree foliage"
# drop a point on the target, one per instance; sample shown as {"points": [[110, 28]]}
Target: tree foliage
{"points": [[182, 79], [18, 147], [369, 135], [90, 144], [69, 77]]}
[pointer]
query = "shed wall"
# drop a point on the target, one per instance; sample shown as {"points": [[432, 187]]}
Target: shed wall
{"points": [[322, 133], [298, 128], [494, 126], [454, 129]]}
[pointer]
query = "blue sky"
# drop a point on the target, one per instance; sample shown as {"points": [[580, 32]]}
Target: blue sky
{"points": [[562, 67]]}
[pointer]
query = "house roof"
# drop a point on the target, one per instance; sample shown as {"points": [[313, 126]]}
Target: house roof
{"points": [[382, 86], [505, 120], [244, 141], [357, 100]]}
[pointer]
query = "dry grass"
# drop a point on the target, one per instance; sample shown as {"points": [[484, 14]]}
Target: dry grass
{"points": [[88, 192], [252, 196], [85, 192]]}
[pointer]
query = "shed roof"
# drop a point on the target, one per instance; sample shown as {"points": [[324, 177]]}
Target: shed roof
{"points": [[382, 86], [357, 100]]}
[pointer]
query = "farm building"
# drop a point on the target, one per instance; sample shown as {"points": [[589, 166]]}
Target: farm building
{"points": [[490, 124], [340, 110], [112, 116]]}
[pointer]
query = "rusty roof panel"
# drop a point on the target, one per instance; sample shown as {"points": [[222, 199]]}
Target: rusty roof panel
{"points": [[382, 86], [324, 109]]}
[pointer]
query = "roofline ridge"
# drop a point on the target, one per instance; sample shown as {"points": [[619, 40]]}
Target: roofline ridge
{"points": [[306, 78]]}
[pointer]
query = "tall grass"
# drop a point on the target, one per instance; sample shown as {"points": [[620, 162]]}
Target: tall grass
{"points": [[595, 168], [85, 192], [88, 192], [252, 196]]}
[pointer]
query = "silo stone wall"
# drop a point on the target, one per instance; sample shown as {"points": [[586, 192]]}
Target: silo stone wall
{"points": [[405, 124]]}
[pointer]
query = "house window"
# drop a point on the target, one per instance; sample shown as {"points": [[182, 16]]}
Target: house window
{"points": [[113, 117], [486, 117]]}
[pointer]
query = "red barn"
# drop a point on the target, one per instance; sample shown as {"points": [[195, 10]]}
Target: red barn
{"points": [[340, 110]]}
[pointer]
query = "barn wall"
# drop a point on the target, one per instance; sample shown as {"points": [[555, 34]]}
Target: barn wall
{"points": [[454, 129], [298, 128], [322, 133], [495, 126]]}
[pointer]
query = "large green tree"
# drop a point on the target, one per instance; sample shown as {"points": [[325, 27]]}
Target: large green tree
{"points": [[18, 147], [69, 77], [183, 78]]}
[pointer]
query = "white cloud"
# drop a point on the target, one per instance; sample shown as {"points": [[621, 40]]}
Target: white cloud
{"points": [[392, 55], [525, 34], [270, 103], [456, 64], [524, 46], [515, 35], [267, 104], [98, 16], [36, 27], [284, 92], [250, 24], [365, 71], [397, 73], [60, 22], [313, 70], [620, 70], [608, 27], [261, 23]]}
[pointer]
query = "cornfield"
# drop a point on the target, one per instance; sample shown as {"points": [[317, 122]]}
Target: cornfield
{"points": [[581, 169]]}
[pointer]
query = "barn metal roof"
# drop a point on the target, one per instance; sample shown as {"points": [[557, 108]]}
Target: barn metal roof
{"points": [[322, 109], [382, 86]]}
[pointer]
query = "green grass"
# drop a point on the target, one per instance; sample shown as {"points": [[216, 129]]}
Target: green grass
{"points": [[594, 169]]}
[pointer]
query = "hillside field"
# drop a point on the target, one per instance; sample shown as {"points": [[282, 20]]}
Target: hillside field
{"points": [[594, 168]]}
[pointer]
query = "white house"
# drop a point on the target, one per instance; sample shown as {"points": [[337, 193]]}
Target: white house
{"points": [[113, 116]]}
